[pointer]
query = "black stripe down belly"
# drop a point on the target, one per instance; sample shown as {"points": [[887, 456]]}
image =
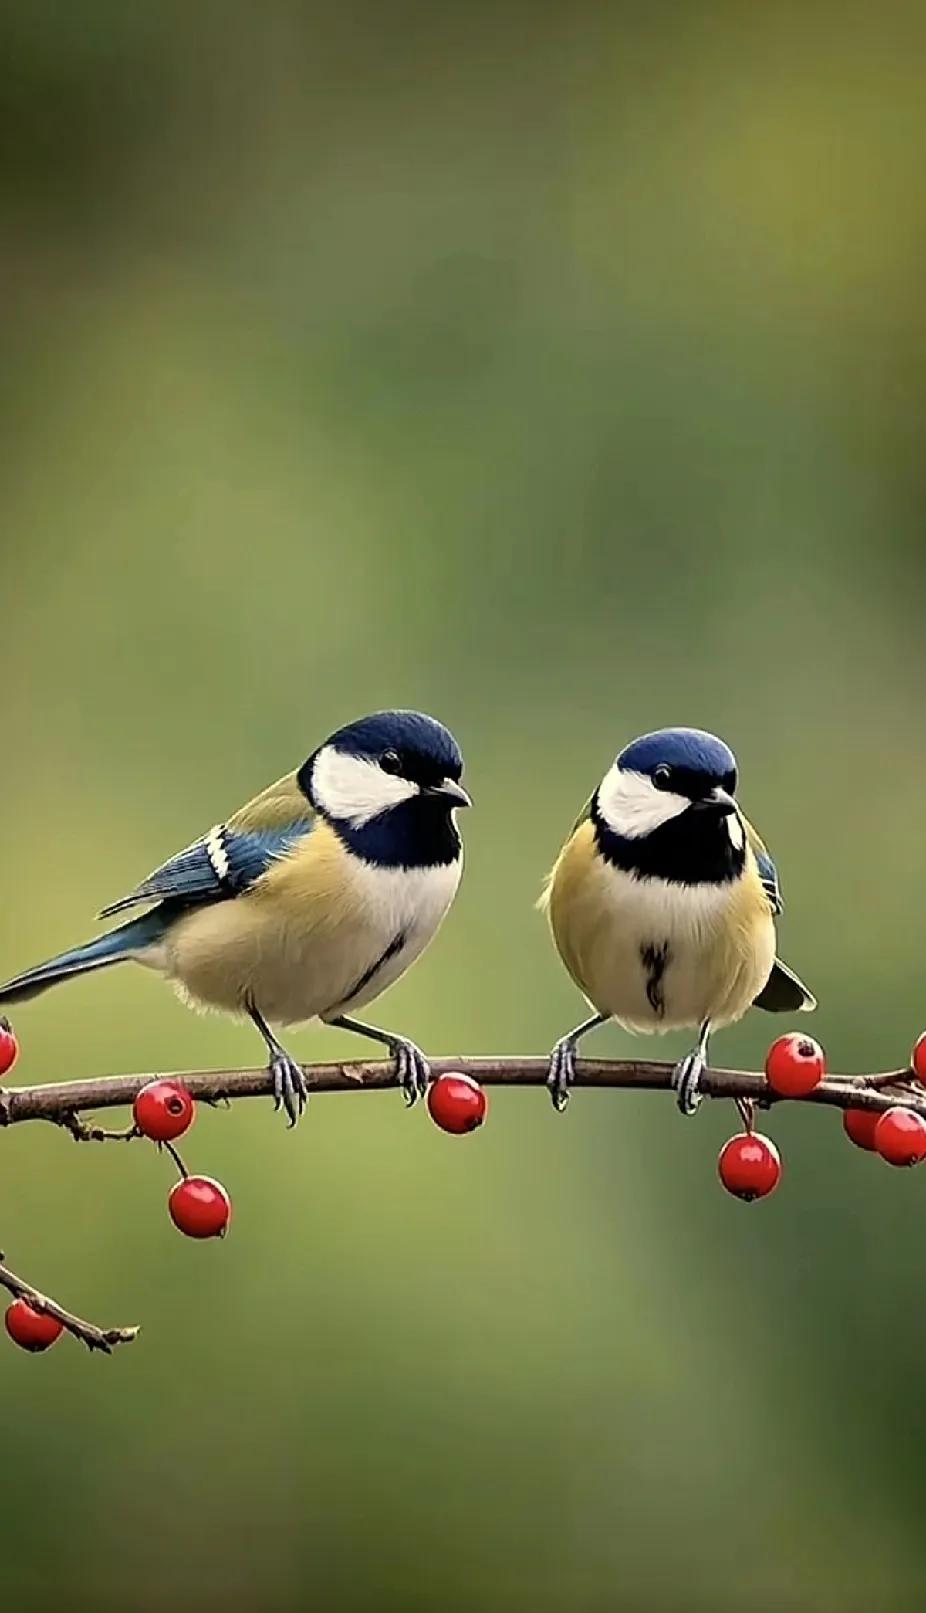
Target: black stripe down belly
{"points": [[655, 961], [395, 945]]}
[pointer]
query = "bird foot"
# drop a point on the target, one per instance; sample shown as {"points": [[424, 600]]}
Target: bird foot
{"points": [[289, 1089], [562, 1073], [412, 1069], [686, 1082]]}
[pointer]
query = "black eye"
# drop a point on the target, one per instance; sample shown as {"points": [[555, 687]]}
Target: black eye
{"points": [[391, 761], [662, 777]]}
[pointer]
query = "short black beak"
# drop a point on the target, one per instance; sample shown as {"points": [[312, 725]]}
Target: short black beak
{"points": [[719, 801], [449, 790]]}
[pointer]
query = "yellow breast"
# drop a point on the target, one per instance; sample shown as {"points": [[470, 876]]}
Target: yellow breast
{"points": [[655, 954], [319, 933]]}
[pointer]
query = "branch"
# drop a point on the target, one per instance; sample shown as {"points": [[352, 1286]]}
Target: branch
{"points": [[62, 1102], [95, 1338]]}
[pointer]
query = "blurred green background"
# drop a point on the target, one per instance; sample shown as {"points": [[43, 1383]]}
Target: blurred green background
{"points": [[558, 369]]}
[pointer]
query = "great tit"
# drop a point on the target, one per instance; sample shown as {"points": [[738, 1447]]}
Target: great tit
{"points": [[310, 900], [663, 902]]}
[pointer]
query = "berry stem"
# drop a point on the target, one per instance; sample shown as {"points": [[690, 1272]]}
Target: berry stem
{"points": [[747, 1110], [184, 1173], [95, 1338]]}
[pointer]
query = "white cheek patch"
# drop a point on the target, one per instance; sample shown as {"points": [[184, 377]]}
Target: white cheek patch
{"points": [[736, 831], [632, 806], [355, 789]]}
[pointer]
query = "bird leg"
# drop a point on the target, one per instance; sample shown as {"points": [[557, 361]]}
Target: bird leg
{"points": [[562, 1071], [289, 1089], [411, 1067], [688, 1073]]}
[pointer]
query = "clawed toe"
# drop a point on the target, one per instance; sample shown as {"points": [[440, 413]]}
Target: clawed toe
{"points": [[412, 1070], [289, 1089], [561, 1074], [686, 1081]]}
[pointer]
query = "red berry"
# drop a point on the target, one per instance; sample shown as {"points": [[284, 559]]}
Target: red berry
{"points": [[200, 1207], [457, 1103], [794, 1065], [33, 1330], [749, 1165], [900, 1136], [860, 1126], [9, 1047], [164, 1110], [918, 1058]]}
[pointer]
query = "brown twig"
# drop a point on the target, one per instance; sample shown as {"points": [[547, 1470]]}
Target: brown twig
{"points": [[95, 1338], [62, 1102]]}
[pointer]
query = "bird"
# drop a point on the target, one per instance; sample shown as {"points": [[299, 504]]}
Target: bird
{"points": [[309, 901], [662, 905]]}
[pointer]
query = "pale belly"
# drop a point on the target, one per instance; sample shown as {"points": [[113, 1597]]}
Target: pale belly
{"points": [[295, 959], [659, 956]]}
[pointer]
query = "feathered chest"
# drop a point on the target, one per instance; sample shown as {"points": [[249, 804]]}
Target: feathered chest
{"points": [[403, 901], [657, 908], [377, 922], [321, 930], [323, 887], [654, 952]]}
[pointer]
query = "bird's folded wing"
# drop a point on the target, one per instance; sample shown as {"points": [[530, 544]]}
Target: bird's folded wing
{"points": [[280, 806], [227, 860], [584, 815], [768, 873]]}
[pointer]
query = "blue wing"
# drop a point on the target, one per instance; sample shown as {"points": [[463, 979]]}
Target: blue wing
{"points": [[768, 873], [224, 863], [783, 992]]}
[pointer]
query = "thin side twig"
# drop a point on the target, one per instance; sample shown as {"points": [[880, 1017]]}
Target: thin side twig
{"points": [[95, 1338], [84, 1131]]}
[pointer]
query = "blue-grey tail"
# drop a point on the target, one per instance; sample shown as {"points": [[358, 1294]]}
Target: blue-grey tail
{"points": [[115, 947]]}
